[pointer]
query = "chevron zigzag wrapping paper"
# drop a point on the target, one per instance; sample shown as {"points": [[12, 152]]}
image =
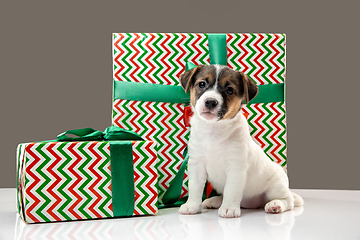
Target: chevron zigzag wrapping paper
{"points": [[59, 181], [160, 58]]}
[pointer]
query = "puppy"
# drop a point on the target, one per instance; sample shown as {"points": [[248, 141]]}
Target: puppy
{"points": [[222, 151]]}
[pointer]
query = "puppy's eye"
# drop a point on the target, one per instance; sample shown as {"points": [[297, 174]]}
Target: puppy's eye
{"points": [[229, 90], [202, 84]]}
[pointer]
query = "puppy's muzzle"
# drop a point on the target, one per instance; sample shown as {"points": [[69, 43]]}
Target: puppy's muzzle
{"points": [[211, 103]]}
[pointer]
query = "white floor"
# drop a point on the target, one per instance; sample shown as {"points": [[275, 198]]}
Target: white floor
{"points": [[327, 214]]}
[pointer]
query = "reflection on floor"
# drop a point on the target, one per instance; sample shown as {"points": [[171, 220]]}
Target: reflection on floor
{"points": [[168, 225]]}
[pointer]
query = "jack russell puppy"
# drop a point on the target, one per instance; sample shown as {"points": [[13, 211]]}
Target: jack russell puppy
{"points": [[222, 151]]}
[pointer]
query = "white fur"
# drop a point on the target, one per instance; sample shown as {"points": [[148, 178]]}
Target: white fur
{"points": [[218, 69], [200, 105], [224, 153]]}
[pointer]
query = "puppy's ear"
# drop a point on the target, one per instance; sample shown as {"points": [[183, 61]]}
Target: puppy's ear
{"points": [[250, 88], [187, 77]]}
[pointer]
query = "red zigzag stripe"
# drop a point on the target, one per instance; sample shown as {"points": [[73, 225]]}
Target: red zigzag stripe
{"points": [[153, 178], [136, 177], [131, 59], [272, 59], [167, 68], [256, 75], [257, 136], [147, 121], [121, 67], [77, 181], [167, 145], [134, 117], [29, 188], [152, 67], [57, 181], [229, 37], [178, 60], [277, 144], [97, 180], [241, 61], [193, 45]]}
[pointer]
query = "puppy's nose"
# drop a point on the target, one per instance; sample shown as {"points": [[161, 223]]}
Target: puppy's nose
{"points": [[211, 103]]}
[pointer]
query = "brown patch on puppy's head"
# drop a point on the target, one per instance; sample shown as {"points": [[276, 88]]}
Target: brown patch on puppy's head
{"points": [[187, 78], [191, 78], [250, 88], [235, 87]]}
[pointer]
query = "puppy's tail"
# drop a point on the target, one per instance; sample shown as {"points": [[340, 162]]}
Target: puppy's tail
{"points": [[298, 201]]}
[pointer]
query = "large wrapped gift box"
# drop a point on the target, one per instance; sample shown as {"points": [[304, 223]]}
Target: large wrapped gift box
{"points": [[59, 181], [149, 100]]}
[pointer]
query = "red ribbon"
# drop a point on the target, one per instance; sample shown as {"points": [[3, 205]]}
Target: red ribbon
{"points": [[187, 115]]}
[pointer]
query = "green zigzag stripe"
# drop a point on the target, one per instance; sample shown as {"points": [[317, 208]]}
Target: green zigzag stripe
{"points": [[87, 177], [124, 59], [264, 121], [263, 59], [252, 116], [140, 121], [205, 50], [127, 116], [66, 161], [26, 181], [188, 48], [172, 167], [175, 67], [253, 67], [237, 53], [140, 185], [144, 52], [115, 52], [283, 133], [160, 144], [269, 128], [282, 56], [103, 149], [86, 162], [160, 67], [40, 171]]}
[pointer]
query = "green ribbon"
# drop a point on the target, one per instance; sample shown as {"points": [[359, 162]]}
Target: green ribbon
{"points": [[122, 178], [217, 48], [122, 167], [172, 195], [148, 92]]}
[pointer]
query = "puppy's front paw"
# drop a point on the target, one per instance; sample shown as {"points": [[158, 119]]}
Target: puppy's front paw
{"points": [[274, 206], [229, 212], [189, 208]]}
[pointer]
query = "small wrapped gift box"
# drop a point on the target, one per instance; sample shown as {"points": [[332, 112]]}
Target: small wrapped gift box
{"points": [[95, 175]]}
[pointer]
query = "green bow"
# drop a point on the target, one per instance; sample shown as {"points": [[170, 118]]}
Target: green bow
{"points": [[90, 134]]}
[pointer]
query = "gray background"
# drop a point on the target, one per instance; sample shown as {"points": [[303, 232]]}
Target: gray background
{"points": [[56, 72]]}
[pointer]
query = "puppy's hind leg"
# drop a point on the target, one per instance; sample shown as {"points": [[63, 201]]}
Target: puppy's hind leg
{"points": [[213, 202], [279, 196]]}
